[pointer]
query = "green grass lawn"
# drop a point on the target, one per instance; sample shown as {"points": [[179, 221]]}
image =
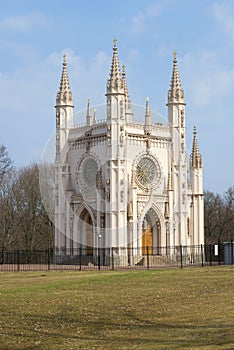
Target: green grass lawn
{"points": [[166, 309]]}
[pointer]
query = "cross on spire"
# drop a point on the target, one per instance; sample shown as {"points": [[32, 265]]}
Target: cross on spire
{"points": [[175, 93], [115, 75]]}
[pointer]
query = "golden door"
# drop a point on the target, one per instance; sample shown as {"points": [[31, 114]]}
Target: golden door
{"points": [[147, 241]]}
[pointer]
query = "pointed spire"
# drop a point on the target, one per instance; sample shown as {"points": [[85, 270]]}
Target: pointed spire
{"points": [[94, 116], [115, 76], [125, 84], [64, 95], [88, 107], [128, 104], [175, 93], [148, 119], [147, 109], [88, 114], [195, 158]]}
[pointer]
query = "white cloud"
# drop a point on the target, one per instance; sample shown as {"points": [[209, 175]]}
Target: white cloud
{"points": [[23, 51], [155, 9], [33, 87], [224, 14], [139, 23], [207, 80], [24, 22]]}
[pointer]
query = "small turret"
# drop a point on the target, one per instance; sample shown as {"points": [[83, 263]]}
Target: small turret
{"points": [[94, 116], [88, 114], [128, 104], [148, 119], [196, 182], [124, 81], [195, 158]]}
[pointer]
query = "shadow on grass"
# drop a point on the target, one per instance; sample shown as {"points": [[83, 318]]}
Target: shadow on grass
{"points": [[133, 331]]}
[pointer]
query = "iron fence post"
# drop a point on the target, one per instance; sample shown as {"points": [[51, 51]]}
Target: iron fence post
{"points": [[112, 258], [18, 260], [181, 256], [99, 259], [80, 262], [210, 251], [48, 257], [232, 258], [202, 258], [219, 252], [147, 255]]}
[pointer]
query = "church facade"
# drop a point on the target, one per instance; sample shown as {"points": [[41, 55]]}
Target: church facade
{"points": [[120, 183]]}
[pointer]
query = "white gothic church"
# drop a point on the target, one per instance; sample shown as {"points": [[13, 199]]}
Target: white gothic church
{"points": [[120, 183]]}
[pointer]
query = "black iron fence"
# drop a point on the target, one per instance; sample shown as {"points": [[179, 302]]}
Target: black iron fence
{"points": [[87, 258]]}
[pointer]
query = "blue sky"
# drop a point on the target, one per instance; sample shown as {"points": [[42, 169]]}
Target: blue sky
{"points": [[35, 34]]}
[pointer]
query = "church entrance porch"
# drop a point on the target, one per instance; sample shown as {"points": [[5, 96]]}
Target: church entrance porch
{"points": [[85, 229], [151, 234]]}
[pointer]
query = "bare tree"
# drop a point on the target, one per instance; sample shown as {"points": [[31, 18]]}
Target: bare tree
{"points": [[5, 162], [219, 216], [229, 214], [47, 187], [8, 219], [35, 226]]}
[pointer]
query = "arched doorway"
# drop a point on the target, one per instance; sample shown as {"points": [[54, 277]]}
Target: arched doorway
{"points": [[147, 237], [151, 233], [86, 231]]}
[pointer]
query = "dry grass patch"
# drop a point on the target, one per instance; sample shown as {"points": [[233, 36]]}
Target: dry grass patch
{"points": [[167, 309]]}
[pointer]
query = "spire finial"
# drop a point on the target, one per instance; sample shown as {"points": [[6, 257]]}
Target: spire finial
{"points": [[94, 116], [115, 75], [147, 109], [195, 158], [88, 107], [88, 114], [175, 92], [64, 95], [195, 144], [128, 105], [148, 120]]}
